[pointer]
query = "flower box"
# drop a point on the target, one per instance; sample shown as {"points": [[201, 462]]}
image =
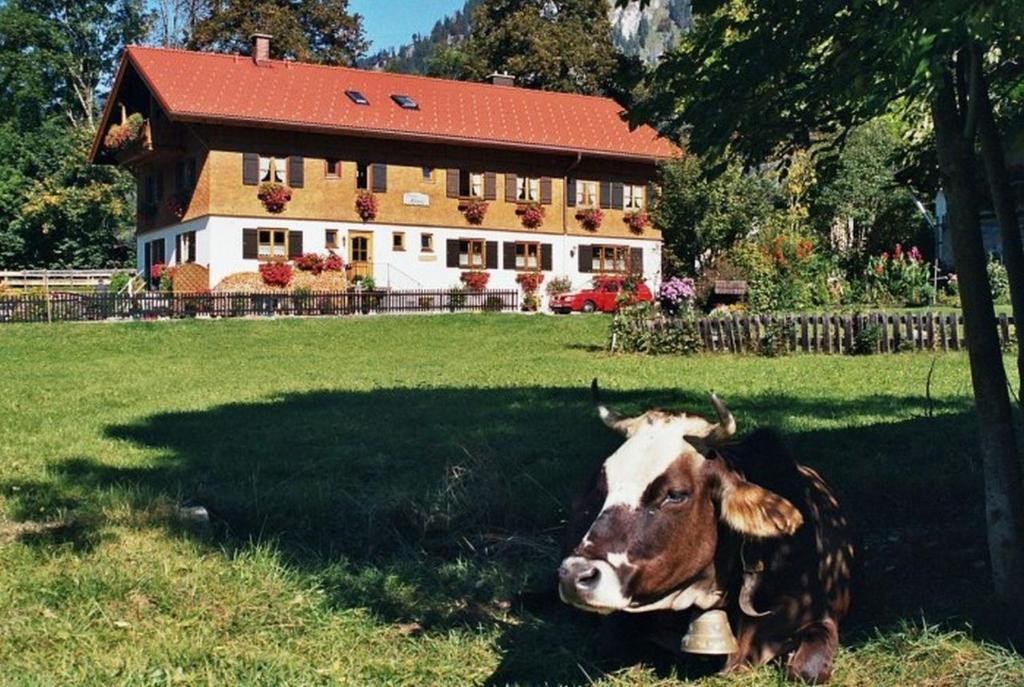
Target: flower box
{"points": [[274, 196], [366, 206]]}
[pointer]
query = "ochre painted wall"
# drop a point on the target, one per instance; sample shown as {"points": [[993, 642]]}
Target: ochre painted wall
{"points": [[220, 191]]}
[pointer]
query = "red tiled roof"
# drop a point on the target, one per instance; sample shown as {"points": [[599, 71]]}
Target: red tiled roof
{"points": [[196, 86]]}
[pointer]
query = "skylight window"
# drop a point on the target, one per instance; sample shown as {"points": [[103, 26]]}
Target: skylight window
{"points": [[405, 102], [357, 97]]}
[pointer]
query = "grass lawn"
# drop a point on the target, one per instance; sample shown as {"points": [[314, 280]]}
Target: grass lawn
{"points": [[386, 494]]}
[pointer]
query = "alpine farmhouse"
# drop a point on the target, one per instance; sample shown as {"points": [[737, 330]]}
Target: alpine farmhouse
{"points": [[455, 172]]}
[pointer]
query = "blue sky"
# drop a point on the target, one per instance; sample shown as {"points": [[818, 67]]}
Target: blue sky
{"points": [[390, 23]]}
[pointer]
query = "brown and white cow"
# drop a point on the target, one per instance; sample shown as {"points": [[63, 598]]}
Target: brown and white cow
{"points": [[679, 518]]}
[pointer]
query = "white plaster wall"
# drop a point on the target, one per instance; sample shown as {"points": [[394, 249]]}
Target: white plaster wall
{"points": [[170, 235], [219, 245]]}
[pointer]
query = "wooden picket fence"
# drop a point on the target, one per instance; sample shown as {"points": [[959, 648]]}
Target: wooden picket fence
{"points": [[840, 333]]}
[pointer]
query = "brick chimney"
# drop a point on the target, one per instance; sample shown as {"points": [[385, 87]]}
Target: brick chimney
{"points": [[260, 47], [502, 79]]}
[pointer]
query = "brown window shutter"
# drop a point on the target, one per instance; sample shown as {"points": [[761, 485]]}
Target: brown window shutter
{"points": [[250, 246], [491, 255], [250, 169], [296, 171], [509, 249], [452, 190], [380, 178], [606, 195], [586, 256], [510, 188], [545, 257], [192, 247], [545, 190], [570, 192], [452, 252], [636, 260], [490, 186], [617, 195], [178, 257], [294, 244]]}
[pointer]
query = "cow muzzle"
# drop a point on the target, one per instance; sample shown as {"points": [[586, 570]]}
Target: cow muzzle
{"points": [[590, 585]]}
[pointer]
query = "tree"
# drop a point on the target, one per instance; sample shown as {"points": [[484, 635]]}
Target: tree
{"points": [[175, 20], [755, 80], [564, 46], [57, 210], [320, 31], [701, 217]]}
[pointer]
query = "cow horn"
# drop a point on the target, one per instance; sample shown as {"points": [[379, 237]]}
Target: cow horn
{"points": [[620, 423], [726, 426]]}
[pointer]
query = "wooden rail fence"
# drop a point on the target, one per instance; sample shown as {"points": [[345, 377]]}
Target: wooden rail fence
{"points": [[836, 333], [114, 306], [56, 278]]}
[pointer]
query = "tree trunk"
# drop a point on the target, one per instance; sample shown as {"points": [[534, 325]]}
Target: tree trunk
{"points": [[1004, 506], [1005, 209]]}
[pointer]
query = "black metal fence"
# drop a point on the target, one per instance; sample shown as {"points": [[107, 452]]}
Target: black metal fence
{"points": [[74, 307]]}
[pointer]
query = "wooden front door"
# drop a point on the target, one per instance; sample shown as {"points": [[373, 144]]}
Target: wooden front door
{"points": [[360, 254]]}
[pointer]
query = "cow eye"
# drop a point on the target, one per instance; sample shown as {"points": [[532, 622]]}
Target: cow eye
{"points": [[676, 496]]}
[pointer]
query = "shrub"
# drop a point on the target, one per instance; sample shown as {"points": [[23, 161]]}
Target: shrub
{"points": [[530, 281], [492, 304], [475, 211], [274, 196], [333, 263], [475, 280], [302, 297], [637, 221], [775, 339], [163, 276], [998, 281], [867, 340], [676, 295], [310, 262], [784, 272], [276, 273], [368, 283], [366, 206], [456, 298], [897, 279], [640, 328], [426, 302], [533, 216], [558, 286], [591, 219], [118, 281]]}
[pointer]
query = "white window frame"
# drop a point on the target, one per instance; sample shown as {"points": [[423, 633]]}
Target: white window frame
{"points": [[634, 196], [280, 168], [587, 193], [528, 189]]}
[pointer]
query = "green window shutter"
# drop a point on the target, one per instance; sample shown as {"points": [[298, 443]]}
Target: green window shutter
{"points": [[452, 252], [510, 188], [509, 249], [250, 169], [586, 258], [250, 245], [545, 257], [452, 183], [296, 171], [294, 244], [606, 195], [491, 255], [380, 178]]}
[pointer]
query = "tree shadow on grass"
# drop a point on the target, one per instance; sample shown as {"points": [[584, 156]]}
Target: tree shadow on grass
{"points": [[443, 506]]}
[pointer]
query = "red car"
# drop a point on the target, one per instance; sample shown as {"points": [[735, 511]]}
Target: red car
{"points": [[600, 298]]}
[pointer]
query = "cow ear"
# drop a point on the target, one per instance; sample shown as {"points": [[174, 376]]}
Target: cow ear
{"points": [[755, 511]]}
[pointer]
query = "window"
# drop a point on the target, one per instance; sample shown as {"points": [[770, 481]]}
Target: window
{"points": [[527, 256], [360, 249], [398, 240], [272, 169], [471, 253], [273, 244], [357, 97], [405, 102], [633, 197], [427, 243], [610, 258], [587, 194], [363, 175], [428, 174], [471, 184], [333, 169], [528, 189], [186, 248], [331, 238]]}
